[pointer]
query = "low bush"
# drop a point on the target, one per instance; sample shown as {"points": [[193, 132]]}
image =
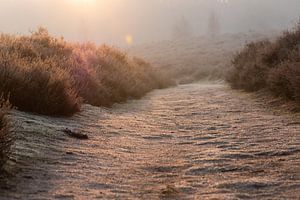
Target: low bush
{"points": [[105, 75], [47, 75], [284, 80], [249, 70], [5, 139], [272, 65], [37, 86]]}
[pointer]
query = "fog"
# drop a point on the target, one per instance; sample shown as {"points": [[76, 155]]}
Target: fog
{"points": [[125, 22]]}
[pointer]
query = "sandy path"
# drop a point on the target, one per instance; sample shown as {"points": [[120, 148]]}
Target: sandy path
{"points": [[199, 141]]}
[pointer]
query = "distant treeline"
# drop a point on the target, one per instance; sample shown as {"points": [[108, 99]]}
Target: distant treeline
{"points": [[272, 65], [47, 75]]}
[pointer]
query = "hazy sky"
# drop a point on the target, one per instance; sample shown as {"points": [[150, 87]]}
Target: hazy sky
{"points": [[114, 21]]}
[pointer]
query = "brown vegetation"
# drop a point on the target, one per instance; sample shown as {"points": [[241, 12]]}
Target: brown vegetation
{"points": [[47, 75], [270, 65], [4, 132]]}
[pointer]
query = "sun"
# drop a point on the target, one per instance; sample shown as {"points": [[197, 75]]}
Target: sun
{"points": [[81, 5], [89, 8], [81, 2]]}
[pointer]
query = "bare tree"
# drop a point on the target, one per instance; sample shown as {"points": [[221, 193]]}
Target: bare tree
{"points": [[182, 29], [213, 25]]}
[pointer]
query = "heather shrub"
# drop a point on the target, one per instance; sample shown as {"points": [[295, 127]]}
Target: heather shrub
{"points": [[284, 80], [48, 75], [37, 45], [249, 69], [37, 86], [272, 65], [112, 76], [5, 139], [286, 47]]}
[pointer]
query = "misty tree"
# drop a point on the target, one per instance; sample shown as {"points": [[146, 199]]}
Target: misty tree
{"points": [[213, 25], [182, 29]]}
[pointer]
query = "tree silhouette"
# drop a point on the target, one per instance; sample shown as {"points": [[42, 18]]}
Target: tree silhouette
{"points": [[181, 29], [213, 25]]}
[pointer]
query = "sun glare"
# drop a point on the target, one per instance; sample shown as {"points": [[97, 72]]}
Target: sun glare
{"points": [[104, 7], [84, 1], [129, 39]]}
